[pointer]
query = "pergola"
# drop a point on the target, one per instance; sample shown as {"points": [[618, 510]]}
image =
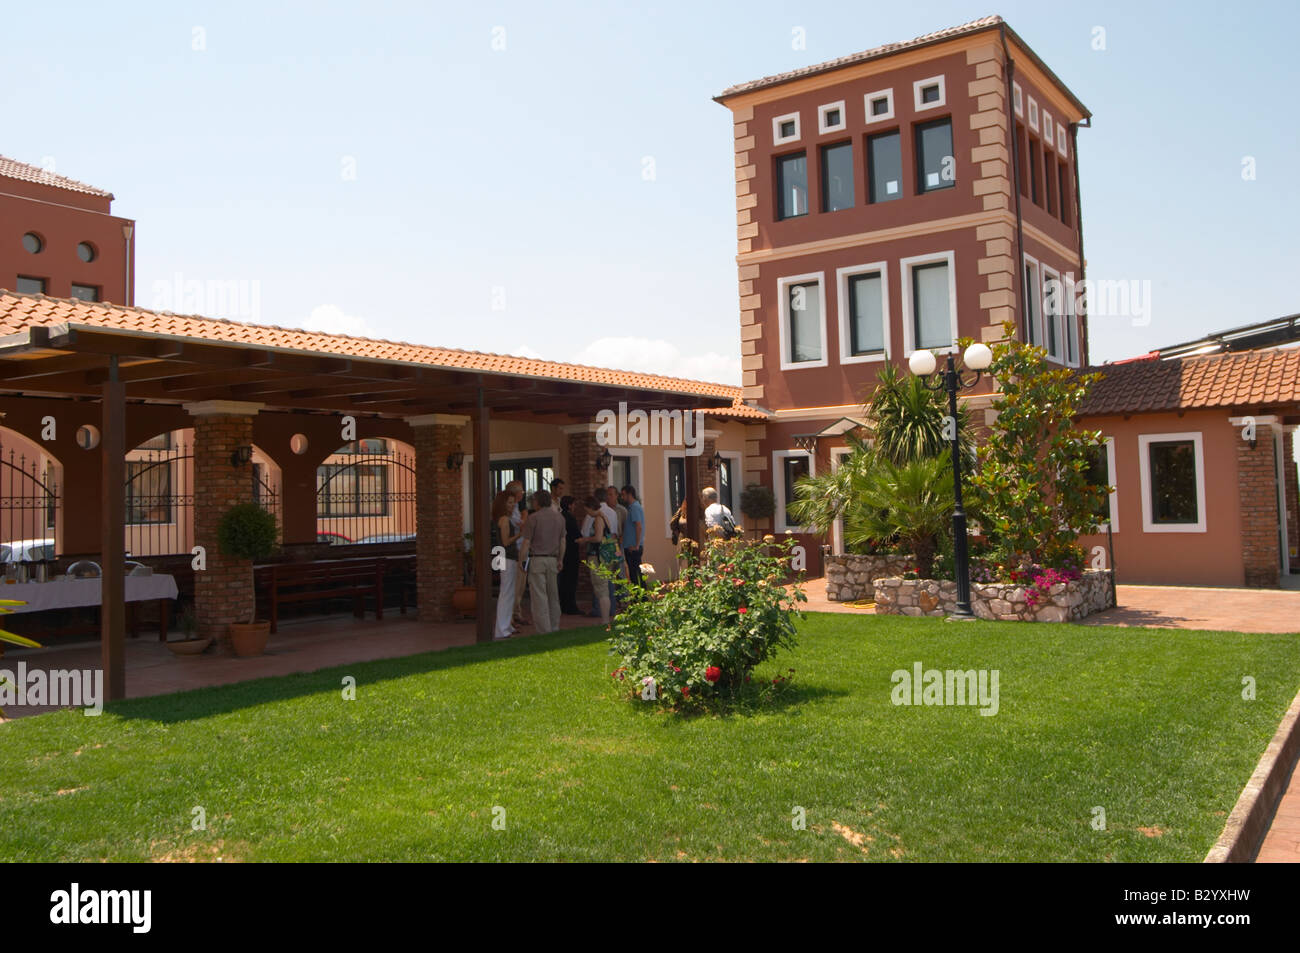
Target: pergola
{"points": [[224, 374]]}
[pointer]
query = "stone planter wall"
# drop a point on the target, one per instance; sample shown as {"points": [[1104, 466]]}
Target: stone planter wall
{"points": [[849, 577], [1065, 601]]}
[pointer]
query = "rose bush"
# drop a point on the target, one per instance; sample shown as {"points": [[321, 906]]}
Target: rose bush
{"points": [[694, 640]]}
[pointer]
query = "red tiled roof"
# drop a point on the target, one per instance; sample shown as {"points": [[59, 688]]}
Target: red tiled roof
{"points": [[20, 311], [1215, 380], [13, 169], [946, 34]]}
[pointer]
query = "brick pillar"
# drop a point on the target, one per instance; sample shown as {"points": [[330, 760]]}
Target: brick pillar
{"points": [[1257, 495], [1289, 481], [223, 593], [439, 527], [584, 477]]}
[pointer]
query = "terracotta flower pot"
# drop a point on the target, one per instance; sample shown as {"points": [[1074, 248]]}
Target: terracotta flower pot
{"points": [[248, 639], [188, 646], [464, 599]]}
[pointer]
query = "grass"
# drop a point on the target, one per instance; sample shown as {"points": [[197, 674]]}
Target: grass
{"points": [[1149, 725]]}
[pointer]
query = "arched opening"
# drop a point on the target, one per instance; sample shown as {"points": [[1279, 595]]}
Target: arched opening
{"points": [[31, 514], [365, 493]]}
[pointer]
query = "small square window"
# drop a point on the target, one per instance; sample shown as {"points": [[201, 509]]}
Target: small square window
{"points": [[785, 128], [1019, 99], [830, 118], [879, 105], [85, 292], [928, 93], [1060, 139], [1049, 132], [30, 286], [1033, 114]]}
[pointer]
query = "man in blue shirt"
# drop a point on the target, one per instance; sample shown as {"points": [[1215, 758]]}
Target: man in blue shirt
{"points": [[633, 534]]}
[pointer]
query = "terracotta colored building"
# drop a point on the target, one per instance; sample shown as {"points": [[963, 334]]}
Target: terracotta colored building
{"points": [[60, 237], [903, 197]]}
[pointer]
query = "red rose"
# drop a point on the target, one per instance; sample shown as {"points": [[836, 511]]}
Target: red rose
{"points": [[686, 691], [712, 673], [742, 610]]}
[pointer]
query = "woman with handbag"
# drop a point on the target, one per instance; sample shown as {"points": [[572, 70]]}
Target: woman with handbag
{"points": [[597, 538]]}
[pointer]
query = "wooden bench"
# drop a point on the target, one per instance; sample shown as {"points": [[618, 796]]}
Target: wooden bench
{"points": [[326, 579]]}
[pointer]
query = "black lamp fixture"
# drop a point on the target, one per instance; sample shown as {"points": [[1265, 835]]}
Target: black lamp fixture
{"points": [[455, 460], [604, 459], [716, 461], [923, 364], [241, 455]]}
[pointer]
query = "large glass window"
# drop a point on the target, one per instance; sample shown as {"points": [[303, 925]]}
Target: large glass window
{"points": [[866, 314], [792, 186], [931, 306], [837, 177], [1173, 481], [935, 164], [885, 167], [793, 469], [804, 311]]}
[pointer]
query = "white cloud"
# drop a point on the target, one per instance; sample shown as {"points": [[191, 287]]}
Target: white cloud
{"points": [[658, 356], [331, 319]]}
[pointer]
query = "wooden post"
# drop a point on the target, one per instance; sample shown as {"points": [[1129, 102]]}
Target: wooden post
{"points": [[480, 501], [694, 512], [112, 615]]}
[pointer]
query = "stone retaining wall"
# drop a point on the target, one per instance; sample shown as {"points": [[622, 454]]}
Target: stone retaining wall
{"points": [[849, 577], [1065, 601]]}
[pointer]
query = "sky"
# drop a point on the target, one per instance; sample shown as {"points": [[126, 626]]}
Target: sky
{"points": [[554, 180]]}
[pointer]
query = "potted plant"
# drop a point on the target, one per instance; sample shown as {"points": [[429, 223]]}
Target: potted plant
{"points": [[247, 531], [190, 645], [758, 503], [464, 598]]}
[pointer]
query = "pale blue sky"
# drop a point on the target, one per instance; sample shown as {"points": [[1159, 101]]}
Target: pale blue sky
{"points": [[521, 169]]}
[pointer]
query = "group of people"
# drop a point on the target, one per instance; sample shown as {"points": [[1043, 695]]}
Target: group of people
{"points": [[546, 541]]}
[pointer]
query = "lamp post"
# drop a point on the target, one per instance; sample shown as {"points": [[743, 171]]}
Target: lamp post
{"points": [[922, 363]]}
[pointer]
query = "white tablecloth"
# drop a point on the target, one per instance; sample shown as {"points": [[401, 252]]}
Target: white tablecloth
{"points": [[64, 592]]}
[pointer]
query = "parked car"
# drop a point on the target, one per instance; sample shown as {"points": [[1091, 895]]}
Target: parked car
{"points": [[334, 539], [388, 538], [26, 551]]}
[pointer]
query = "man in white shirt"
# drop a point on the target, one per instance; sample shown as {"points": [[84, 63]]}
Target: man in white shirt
{"points": [[714, 513]]}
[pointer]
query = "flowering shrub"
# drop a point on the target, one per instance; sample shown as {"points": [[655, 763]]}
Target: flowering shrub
{"points": [[1043, 582], [696, 639]]}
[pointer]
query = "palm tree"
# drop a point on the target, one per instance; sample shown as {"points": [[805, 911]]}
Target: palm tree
{"points": [[820, 500], [911, 502], [908, 418]]}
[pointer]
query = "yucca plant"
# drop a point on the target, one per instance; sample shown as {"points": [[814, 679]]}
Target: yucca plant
{"points": [[821, 500], [908, 418], [911, 502]]}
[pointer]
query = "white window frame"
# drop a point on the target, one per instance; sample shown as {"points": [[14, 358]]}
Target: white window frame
{"points": [[1017, 95], [777, 139], [1049, 131], [1047, 272], [888, 95], [1033, 113], [1109, 444], [920, 84], [822, 127], [638, 466], [778, 488], [905, 266], [1144, 470], [1061, 140], [783, 303], [668, 490], [1040, 328], [837, 529], [842, 276]]}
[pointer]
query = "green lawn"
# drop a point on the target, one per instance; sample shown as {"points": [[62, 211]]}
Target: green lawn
{"points": [[1150, 725]]}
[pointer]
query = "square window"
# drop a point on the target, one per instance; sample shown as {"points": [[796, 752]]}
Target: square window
{"points": [[830, 118], [30, 286], [785, 129], [791, 186], [85, 292], [803, 322], [879, 105], [936, 166], [1060, 139], [1033, 114], [928, 93], [837, 177], [885, 167], [1049, 133], [1172, 470]]}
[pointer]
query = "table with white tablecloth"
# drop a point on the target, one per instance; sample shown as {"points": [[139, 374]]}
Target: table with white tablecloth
{"points": [[65, 592]]}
